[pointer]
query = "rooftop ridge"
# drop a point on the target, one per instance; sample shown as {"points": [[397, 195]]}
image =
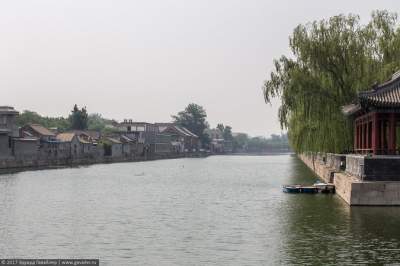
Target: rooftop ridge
{"points": [[396, 75]]}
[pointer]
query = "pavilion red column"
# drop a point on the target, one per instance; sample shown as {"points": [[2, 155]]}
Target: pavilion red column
{"points": [[364, 147], [375, 134], [382, 134], [366, 136], [367, 144], [392, 134]]}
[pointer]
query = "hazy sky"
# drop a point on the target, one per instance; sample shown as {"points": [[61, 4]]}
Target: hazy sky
{"points": [[146, 60]]}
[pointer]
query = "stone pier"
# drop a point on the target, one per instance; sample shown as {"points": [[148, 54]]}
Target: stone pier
{"points": [[359, 180]]}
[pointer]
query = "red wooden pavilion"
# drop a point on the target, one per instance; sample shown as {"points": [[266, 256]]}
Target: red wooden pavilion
{"points": [[376, 116]]}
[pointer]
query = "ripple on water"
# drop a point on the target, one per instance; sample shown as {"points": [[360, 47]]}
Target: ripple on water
{"points": [[220, 210]]}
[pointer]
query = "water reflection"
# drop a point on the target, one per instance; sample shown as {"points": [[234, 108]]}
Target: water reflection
{"points": [[223, 210], [324, 230]]}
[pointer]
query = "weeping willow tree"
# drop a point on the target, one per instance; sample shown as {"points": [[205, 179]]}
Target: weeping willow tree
{"points": [[332, 61]]}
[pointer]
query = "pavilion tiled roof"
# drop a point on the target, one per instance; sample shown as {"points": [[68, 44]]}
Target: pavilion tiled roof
{"points": [[386, 95]]}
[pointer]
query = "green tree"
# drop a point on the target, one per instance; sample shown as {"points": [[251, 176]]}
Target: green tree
{"points": [[240, 142], [97, 122], [94, 121], [194, 118], [221, 127], [332, 61], [276, 143], [79, 118], [29, 117], [228, 133]]}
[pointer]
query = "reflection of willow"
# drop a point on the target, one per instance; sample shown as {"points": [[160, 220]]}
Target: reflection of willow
{"points": [[314, 224], [323, 229], [300, 173]]}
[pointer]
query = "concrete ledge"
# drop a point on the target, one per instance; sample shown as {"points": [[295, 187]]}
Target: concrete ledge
{"points": [[353, 190], [344, 186], [377, 193]]}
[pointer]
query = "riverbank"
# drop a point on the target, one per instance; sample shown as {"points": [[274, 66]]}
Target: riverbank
{"points": [[350, 176], [13, 166], [261, 153]]}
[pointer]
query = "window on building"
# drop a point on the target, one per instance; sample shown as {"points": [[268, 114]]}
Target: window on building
{"points": [[3, 120]]}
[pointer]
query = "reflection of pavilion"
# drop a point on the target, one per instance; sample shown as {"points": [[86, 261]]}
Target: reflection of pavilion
{"points": [[376, 115]]}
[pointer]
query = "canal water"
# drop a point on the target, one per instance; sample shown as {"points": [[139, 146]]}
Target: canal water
{"points": [[221, 210]]}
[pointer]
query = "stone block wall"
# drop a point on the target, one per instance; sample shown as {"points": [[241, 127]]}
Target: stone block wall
{"points": [[381, 168], [27, 150], [352, 186], [376, 168], [162, 148], [315, 163], [375, 193], [343, 186], [116, 150], [336, 162], [355, 165]]}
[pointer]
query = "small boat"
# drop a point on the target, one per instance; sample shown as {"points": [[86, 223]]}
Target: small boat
{"points": [[325, 187], [309, 190], [317, 187], [291, 189]]}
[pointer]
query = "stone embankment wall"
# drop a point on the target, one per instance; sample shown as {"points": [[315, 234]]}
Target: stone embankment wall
{"points": [[315, 163], [17, 165], [350, 181]]}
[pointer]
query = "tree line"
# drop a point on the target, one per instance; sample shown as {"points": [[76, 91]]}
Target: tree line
{"points": [[79, 119], [331, 61], [193, 117], [275, 143]]}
